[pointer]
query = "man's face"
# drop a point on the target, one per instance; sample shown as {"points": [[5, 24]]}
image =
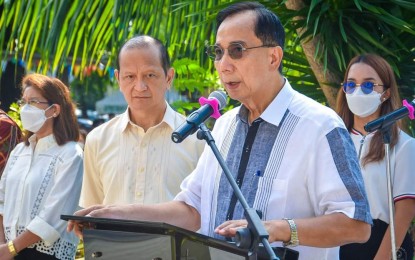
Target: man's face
{"points": [[142, 79], [247, 77]]}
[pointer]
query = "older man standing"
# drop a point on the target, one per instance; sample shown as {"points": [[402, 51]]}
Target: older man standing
{"points": [[131, 158], [310, 192]]}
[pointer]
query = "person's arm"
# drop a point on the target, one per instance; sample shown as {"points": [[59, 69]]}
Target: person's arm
{"points": [[92, 191], [62, 198], [404, 213], [24, 240], [323, 231], [174, 212]]}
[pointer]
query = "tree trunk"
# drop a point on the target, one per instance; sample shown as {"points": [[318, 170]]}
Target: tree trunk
{"points": [[325, 79]]}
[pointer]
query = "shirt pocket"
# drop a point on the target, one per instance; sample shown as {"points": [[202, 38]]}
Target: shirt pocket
{"points": [[272, 197]]}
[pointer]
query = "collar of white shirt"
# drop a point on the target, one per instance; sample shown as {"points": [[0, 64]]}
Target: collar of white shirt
{"points": [[276, 109]]}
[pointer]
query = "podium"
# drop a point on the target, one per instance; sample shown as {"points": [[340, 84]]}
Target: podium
{"points": [[126, 239]]}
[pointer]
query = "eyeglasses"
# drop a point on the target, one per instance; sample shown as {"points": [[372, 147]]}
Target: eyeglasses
{"points": [[366, 87], [235, 50], [32, 102]]}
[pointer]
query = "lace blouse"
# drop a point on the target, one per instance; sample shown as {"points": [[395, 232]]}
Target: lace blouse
{"points": [[40, 182]]}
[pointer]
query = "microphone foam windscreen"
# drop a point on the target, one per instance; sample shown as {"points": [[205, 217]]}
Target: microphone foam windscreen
{"points": [[221, 97]]}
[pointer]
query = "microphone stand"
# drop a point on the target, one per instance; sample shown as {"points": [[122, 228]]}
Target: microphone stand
{"points": [[255, 233], [383, 124], [385, 131], [386, 140]]}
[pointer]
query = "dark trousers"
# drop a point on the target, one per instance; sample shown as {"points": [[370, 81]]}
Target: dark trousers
{"points": [[32, 254], [369, 249]]}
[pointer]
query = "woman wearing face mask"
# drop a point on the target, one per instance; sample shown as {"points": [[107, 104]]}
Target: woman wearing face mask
{"points": [[370, 91], [43, 175]]}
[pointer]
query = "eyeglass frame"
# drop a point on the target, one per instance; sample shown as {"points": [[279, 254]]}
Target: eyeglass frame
{"points": [[343, 84], [32, 102], [243, 48]]}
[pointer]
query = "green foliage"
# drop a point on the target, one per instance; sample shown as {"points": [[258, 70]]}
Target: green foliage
{"points": [[14, 113], [192, 81], [191, 77], [348, 28], [49, 35], [299, 73]]}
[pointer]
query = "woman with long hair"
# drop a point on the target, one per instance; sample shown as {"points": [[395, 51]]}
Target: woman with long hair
{"points": [[368, 92], [43, 175]]}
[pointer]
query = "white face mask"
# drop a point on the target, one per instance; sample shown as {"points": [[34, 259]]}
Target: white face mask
{"points": [[33, 118], [361, 104]]}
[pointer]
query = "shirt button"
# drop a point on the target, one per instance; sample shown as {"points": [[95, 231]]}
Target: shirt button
{"points": [[142, 169], [138, 194]]}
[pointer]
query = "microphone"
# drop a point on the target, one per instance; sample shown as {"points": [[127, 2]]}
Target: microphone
{"points": [[385, 121], [209, 107]]}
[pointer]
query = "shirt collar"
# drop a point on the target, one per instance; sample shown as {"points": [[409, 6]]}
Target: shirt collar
{"points": [[168, 118], [276, 109], [356, 132], [43, 143], [124, 120]]}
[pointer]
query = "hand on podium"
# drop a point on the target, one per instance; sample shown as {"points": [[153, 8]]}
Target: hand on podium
{"points": [[94, 211], [230, 227]]}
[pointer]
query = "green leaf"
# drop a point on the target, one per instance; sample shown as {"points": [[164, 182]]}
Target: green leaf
{"points": [[358, 5], [342, 31], [313, 4]]}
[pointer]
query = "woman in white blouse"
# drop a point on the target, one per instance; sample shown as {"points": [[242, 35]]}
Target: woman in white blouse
{"points": [[43, 175], [370, 91]]}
